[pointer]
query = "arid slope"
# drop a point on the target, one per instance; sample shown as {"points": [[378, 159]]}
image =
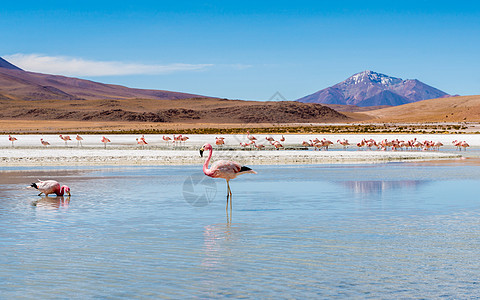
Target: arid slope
{"points": [[454, 109]]}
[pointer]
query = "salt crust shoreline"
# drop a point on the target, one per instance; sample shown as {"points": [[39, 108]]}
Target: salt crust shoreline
{"points": [[131, 157]]}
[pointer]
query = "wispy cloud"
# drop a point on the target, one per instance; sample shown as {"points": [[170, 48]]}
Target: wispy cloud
{"points": [[70, 66]]}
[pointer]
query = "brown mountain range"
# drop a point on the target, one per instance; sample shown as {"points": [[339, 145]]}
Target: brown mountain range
{"points": [[35, 96], [17, 84]]}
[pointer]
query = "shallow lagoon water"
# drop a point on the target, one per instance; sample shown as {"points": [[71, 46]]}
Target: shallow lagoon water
{"points": [[397, 230]]}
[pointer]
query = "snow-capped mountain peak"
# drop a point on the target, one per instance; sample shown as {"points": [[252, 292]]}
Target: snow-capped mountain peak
{"points": [[372, 77], [369, 88]]}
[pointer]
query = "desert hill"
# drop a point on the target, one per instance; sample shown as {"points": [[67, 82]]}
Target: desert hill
{"points": [[17, 84], [6, 65], [193, 110], [453, 109]]}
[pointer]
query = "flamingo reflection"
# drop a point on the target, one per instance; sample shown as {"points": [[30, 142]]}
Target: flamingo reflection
{"points": [[52, 202]]}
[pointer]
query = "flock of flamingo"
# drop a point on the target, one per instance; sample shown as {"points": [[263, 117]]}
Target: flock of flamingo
{"points": [[229, 170], [316, 143]]}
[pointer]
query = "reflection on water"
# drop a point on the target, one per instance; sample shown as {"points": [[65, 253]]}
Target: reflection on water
{"points": [[52, 202], [214, 236], [298, 232], [378, 187]]}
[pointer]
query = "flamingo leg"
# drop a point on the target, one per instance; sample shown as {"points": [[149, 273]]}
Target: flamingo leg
{"points": [[230, 194]]}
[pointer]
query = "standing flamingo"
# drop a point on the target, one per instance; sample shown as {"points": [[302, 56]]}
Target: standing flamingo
{"points": [[344, 143], [45, 143], [141, 141], [66, 138], [51, 187], [12, 139], [105, 141], [79, 140], [184, 139], [166, 139], [225, 169]]}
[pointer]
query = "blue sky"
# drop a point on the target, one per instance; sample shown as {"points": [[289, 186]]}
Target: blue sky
{"points": [[246, 49]]}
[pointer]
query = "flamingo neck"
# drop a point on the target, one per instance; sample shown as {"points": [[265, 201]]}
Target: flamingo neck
{"points": [[61, 191], [205, 165]]}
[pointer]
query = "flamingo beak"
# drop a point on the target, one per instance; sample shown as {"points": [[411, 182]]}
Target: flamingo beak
{"points": [[68, 192], [201, 152]]}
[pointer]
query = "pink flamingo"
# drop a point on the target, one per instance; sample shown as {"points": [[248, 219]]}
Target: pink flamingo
{"points": [[51, 187], [176, 139], [306, 144], [45, 143], [251, 137], [457, 144], [184, 139], [141, 141], [326, 143], [12, 139], [225, 169], [318, 146], [259, 146], [344, 143], [270, 139], [66, 138], [105, 141], [282, 139], [79, 140], [438, 145], [219, 141], [277, 145], [166, 139], [464, 145]]}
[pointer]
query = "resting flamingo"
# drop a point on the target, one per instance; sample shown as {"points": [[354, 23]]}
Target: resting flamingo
{"points": [[225, 169], [277, 145], [45, 143], [251, 137], [50, 187], [105, 141], [79, 140], [282, 139], [66, 138], [12, 139], [259, 146], [219, 141]]}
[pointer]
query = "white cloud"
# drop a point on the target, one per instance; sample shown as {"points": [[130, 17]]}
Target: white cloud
{"points": [[70, 66]]}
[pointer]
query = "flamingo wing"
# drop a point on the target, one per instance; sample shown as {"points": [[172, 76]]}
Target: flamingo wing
{"points": [[47, 186]]}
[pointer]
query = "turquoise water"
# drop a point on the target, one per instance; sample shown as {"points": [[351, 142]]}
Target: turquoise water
{"points": [[399, 230]]}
